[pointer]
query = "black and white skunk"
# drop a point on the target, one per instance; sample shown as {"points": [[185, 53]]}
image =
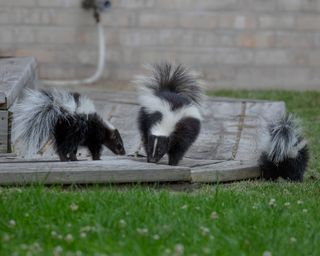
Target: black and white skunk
{"points": [[169, 119], [285, 151], [68, 119]]}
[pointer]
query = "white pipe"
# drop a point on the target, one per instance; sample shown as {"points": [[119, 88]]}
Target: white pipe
{"points": [[100, 68]]}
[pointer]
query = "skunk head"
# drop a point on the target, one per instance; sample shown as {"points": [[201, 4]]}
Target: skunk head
{"points": [[157, 147], [113, 141]]}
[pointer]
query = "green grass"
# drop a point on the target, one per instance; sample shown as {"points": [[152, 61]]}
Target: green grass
{"points": [[251, 218]]}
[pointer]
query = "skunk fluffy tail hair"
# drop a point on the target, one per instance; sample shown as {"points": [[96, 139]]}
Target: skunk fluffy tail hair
{"points": [[68, 119], [286, 152], [173, 78], [36, 116]]}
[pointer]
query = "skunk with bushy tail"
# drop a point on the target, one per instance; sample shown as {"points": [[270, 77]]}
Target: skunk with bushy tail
{"points": [[169, 119], [68, 119], [285, 151]]}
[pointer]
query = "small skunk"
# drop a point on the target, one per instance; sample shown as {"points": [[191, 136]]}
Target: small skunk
{"points": [[169, 119], [68, 119], [286, 152]]}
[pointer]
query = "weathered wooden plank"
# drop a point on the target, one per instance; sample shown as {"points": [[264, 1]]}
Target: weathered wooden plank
{"points": [[108, 170], [4, 119], [225, 171], [15, 74], [256, 118]]}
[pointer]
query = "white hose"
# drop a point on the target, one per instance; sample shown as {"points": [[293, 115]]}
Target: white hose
{"points": [[100, 68]]}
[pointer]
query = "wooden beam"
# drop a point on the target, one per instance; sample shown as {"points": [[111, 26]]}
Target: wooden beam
{"points": [[225, 171], [108, 170]]}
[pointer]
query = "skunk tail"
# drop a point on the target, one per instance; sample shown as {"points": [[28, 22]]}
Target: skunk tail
{"points": [[286, 152], [286, 140], [170, 77], [35, 116]]}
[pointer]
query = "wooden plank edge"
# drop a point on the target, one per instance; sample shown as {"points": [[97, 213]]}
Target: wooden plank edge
{"points": [[223, 172], [92, 175], [3, 101]]}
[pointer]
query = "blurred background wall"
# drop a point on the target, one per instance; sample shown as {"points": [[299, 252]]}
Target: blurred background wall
{"points": [[233, 43]]}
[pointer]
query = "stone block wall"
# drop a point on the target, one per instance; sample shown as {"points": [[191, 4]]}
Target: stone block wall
{"points": [[233, 43]]}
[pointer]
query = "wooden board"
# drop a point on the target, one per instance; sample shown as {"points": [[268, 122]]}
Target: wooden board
{"points": [[225, 171], [4, 131], [108, 170], [15, 74]]}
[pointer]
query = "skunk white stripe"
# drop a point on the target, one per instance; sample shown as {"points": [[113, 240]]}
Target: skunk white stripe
{"points": [[86, 106], [154, 147], [109, 125], [152, 104]]}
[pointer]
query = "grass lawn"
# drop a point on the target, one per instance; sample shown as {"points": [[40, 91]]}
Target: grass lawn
{"points": [[243, 218]]}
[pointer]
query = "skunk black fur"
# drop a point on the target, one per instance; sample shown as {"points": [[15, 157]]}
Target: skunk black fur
{"points": [[169, 119], [69, 119], [286, 152]]}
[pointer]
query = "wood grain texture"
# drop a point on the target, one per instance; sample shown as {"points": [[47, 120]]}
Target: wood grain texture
{"points": [[4, 131], [225, 171], [108, 170], [15, 74]]}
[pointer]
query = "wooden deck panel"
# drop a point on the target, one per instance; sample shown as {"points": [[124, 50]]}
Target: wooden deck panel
{"points": [[226, 149], [15, 74]]}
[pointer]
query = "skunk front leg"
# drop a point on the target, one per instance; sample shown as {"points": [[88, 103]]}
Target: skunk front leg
{"points": [[73, 155], [186, 132], [176, 153], [95, 151]]}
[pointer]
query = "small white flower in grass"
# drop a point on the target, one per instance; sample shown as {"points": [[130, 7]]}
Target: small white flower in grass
{"points": [[24, 247], [57, 251], [206, 250], [267, 253], [293, 240], [78, 253], [54, 233], [69, 238], [12, 223], [179, 249], [184, 207], [69, 225], [214, 216], [286, 204], [272, 202], [205, 231], [83, 235], [122, 223], [142, 231], [74, 207], [305, 210], [299, 202], [255, 206], [156, 237], [6, 237], [167, 251]]}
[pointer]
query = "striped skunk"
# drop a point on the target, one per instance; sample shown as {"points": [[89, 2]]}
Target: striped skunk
{"points": [[68, 119], [169, 119], [285, 152]]}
